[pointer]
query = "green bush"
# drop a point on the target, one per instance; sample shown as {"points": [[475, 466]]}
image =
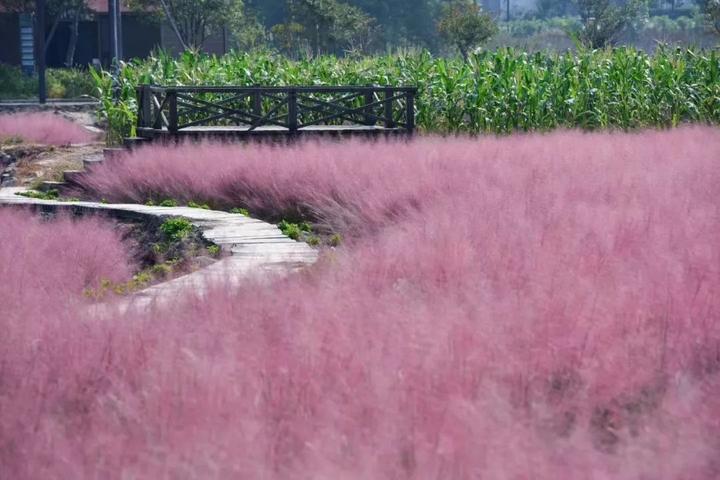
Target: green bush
{"points": [[175, 229], [496, 92], [294, 230], [14, 84], [61, 83]]}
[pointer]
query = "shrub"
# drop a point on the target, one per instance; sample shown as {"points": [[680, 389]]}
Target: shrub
{"points": [[176, 229], [61, 83], [294, 230], [51, 194], [240, 211]]}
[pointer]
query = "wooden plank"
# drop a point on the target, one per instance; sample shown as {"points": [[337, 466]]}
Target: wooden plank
{"points": [[299, 89], [272, 128]]}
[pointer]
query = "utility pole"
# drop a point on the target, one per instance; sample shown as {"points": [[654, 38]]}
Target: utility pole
{"points": [[119, 27], [40, 48], [114, 20], [114, 33]]}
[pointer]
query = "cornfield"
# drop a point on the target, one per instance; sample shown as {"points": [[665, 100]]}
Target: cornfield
{"points": [[494, 92]]}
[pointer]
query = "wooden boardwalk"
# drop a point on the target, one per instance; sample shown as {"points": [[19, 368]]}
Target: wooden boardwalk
{"points": [[274, 112], [256, 250]]}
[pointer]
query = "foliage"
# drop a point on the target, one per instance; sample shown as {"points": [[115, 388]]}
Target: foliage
{"points": [[294, 230], [527, 27], [465, 25], [497, 92], [195, 20], [400, 23], [335, 240], [603, 20], [175, 229], [647, 34], [247, 32], [326, 26], [61, 83], [711, 10], [69, 83], [139, 281], [288, 36], [51, 194], [555, 8], [119, 117], [240, 211]]}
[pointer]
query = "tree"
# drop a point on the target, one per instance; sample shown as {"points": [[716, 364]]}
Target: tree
{"points": [[711, 11], [328, 26], [396, 22], [193, 21], [404, 22], [56, 11], [554, 8], [602, 21], [247, 33], [465, 25]]}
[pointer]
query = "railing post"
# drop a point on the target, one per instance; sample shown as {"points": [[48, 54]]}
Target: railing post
{"points": [[173, 116], [368, 99], [257, 103], [145, 102], [389, 122], [410, 111], [292, 110], [139, 91]]}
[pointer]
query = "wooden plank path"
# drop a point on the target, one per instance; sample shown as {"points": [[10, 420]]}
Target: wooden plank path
{"points": [[257, 250]]}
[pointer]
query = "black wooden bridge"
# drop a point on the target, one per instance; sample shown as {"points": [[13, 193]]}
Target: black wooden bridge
{"points": [[256, 112]]}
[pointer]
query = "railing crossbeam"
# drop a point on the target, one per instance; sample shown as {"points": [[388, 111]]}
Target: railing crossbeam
{"points": [[174, 109]]}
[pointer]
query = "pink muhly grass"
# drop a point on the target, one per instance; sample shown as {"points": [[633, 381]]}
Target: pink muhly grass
{"points": [[537, 307], [43, 128], [47, 264]]}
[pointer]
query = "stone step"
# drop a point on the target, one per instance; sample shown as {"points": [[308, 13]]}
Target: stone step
{"points": [[48, 185], [113, 153], [90, 163], [7, 180], [73, 177], [134, 142]]}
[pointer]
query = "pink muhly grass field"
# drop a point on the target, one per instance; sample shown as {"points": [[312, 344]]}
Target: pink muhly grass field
{"points": [[43, 128], [534, 307], [45, 265]]}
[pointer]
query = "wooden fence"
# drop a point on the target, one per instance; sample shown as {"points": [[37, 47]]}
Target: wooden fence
{"points": [[279, 110]]}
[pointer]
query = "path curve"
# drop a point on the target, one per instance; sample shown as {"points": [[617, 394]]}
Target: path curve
{"points": [[257, 249]]}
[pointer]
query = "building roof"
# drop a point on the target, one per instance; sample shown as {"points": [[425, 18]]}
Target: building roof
{"points": [[101, 6], [97, 6]]}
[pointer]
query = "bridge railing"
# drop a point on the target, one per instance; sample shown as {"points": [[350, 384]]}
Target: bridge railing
{"points": [[172, 109]]}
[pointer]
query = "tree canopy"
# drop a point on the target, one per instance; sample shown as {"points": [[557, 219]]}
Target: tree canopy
{"points": [[465, 25]]}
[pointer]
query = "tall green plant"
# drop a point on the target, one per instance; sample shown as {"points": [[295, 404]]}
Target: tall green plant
{"points": [[494, 92]]}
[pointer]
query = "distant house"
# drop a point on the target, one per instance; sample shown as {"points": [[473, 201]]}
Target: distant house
{"points": [[140, 36]]}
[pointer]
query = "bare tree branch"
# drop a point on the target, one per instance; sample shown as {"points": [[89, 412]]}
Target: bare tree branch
{"points": [[173, 24]]}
